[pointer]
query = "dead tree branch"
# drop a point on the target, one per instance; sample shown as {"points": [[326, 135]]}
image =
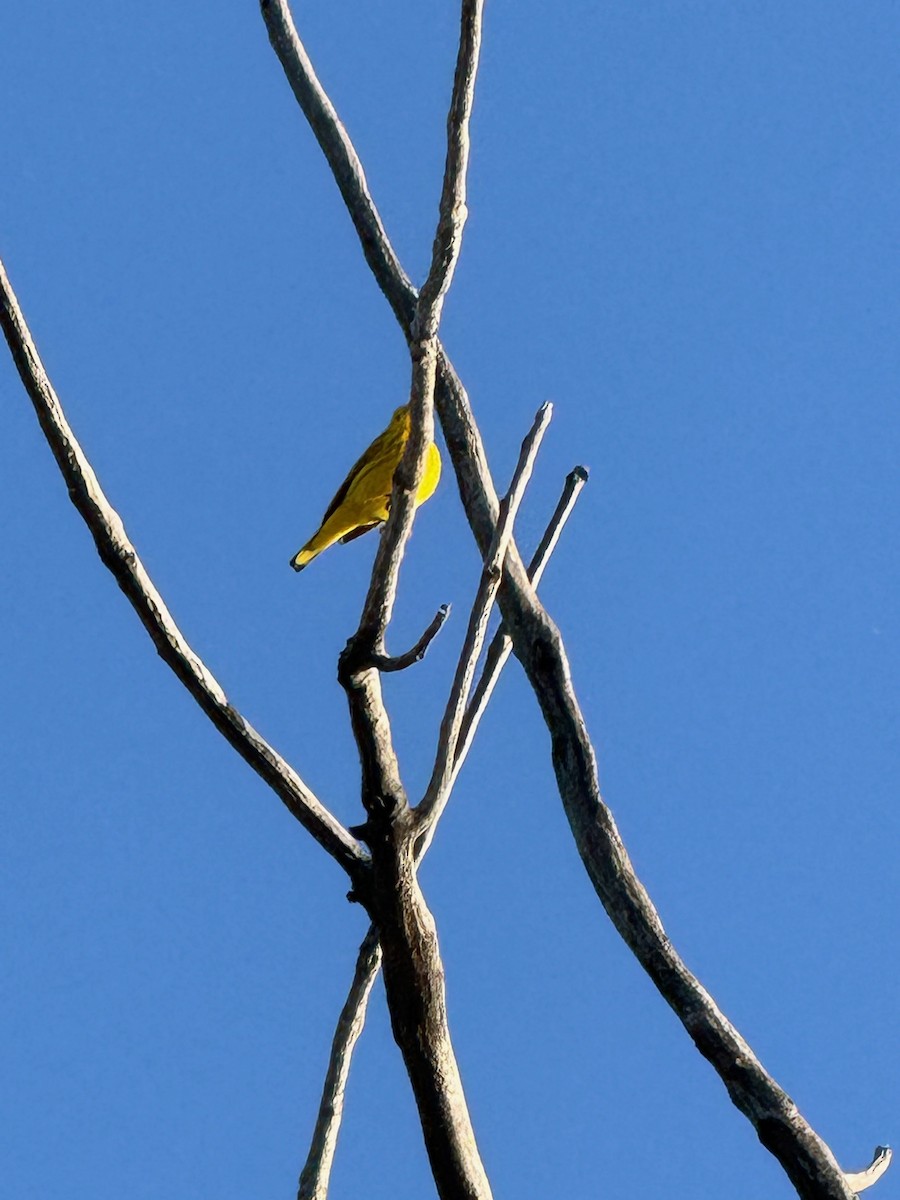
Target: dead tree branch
{"points": [[426, 321], [120, 556], [453, 212], [413, 971], [501, 645], [858, 1181], [437, 793], [317, 1168], [352, 1017], [806, 1159], [342, 158]]}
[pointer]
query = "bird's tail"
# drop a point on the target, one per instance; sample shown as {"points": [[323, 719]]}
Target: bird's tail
{"points": [[302, 558], [313, 548], [331, 531]]}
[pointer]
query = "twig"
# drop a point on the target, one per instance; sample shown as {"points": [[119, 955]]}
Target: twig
{"points": [[858, 1181], [317, 1168], [121, 558], [501, 645], [399, 662], [432, 805], [453, 212]]}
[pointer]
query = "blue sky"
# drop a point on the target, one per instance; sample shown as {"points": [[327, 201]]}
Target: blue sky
{"points": [[683, 231]]}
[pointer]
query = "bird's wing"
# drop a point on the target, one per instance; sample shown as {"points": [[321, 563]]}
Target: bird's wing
{"points": [[369, 456], [355, 533]]}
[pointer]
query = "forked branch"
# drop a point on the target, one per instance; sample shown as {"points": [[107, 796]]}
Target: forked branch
{"points": [[437, 793], [316, 1171], [501, 645], [804, 1156]]}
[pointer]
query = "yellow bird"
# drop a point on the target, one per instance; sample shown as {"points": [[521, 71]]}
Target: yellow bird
{"points": [[363, 499]]}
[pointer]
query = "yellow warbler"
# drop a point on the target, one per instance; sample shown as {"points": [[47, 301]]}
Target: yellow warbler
{"points": [[363, 499]]}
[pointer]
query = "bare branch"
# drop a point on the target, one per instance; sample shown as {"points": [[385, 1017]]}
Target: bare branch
{"points": [[423, 346], [317, 1168], [501, 645], [399, 662], [438, 790], [417, 1002], [575, 481], [463, 437], [341, 156], [383, 791], [453, 212], [121, 558], [413, 971], [384, 796], [806, 1159], [382, 592], [858, 1181]]}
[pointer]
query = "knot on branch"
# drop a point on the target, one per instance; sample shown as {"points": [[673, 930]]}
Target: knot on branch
{"points": [[388, 821], [351, 660]]}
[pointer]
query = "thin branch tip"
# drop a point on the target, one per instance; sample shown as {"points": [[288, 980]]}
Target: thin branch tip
{"points": [[444, 772], [399, 662], [316, 1172], [579, 472], [501, 646], [858, 1181]]}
